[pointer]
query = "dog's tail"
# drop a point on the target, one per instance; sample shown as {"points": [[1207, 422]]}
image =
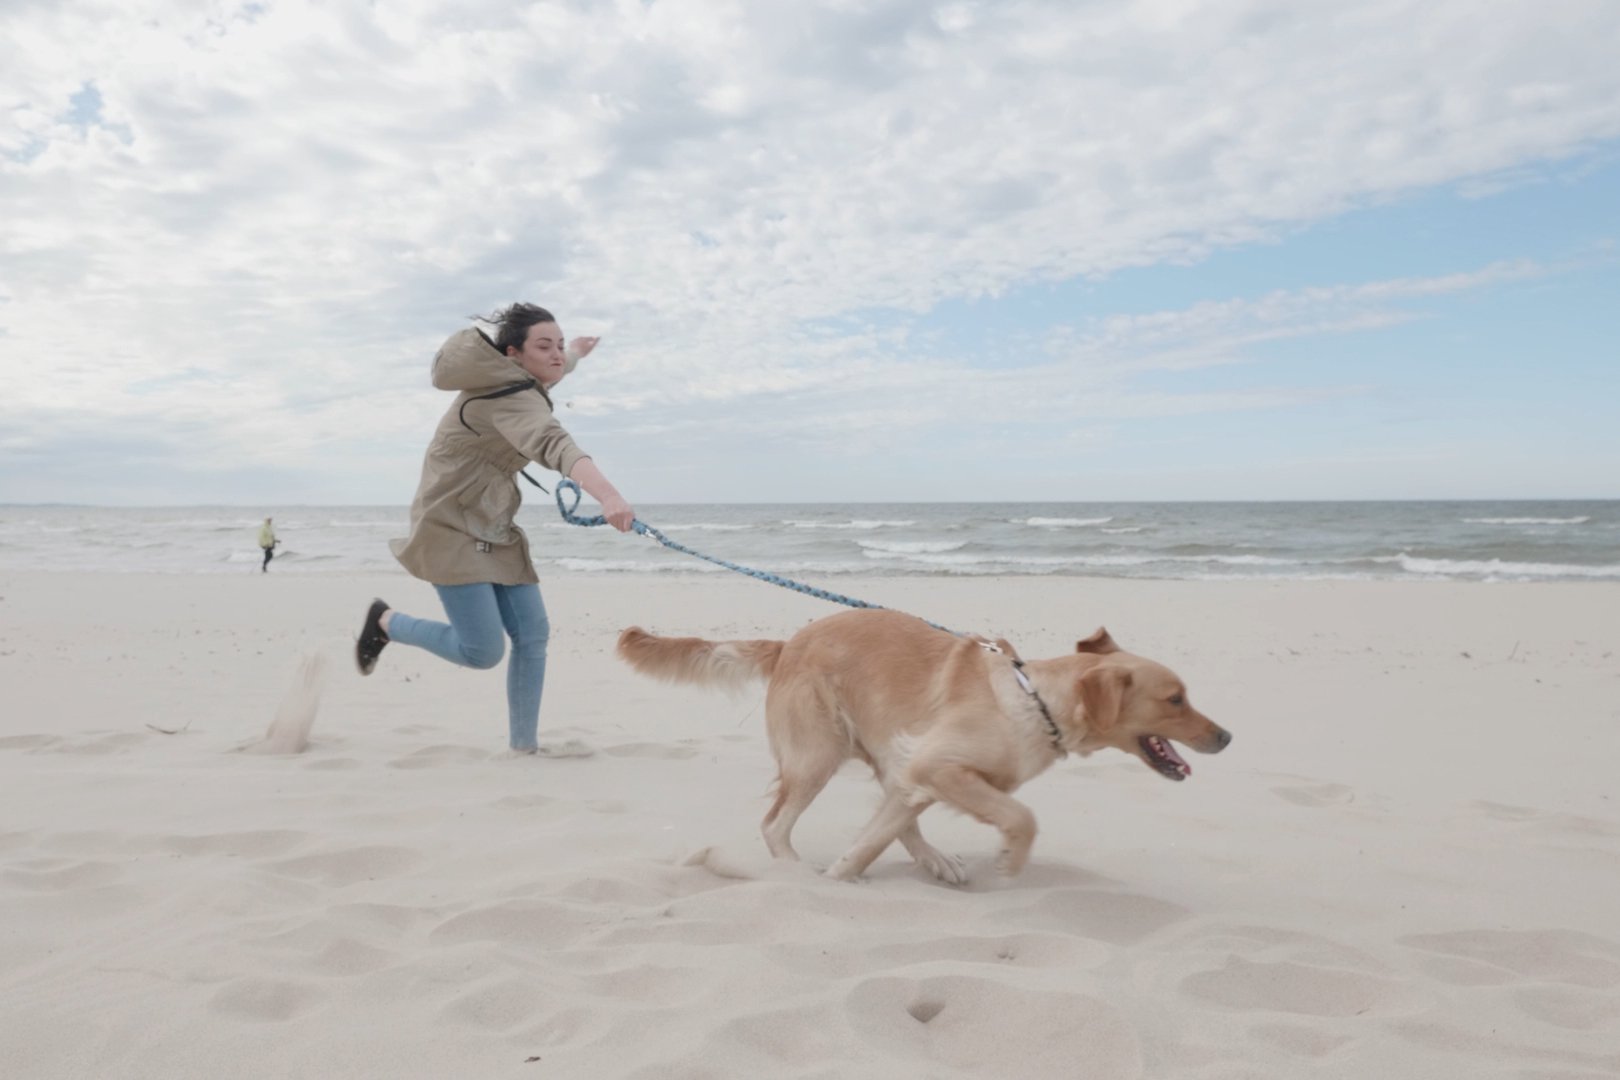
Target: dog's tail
{"points": [[728, 664]]}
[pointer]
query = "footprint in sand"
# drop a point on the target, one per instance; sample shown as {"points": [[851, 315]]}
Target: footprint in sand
{"points": [[1315, 794], [393, 919], [349, 866], [1299, 1039], [444, 754], [1118, 918], [652, 984], [606, 890], [1577, 827], [53, 875], [523, 802], [88, 842], [340, 764], [963, 1020], [1497, 957], [563, 1025], [497, 1005], [796, 1033], [1573, 1008], [1019, 950], [541, 924], [29, 742], [662, 751], [112, 743], [347, 958], [1304, 989], [1506, 812], [264, 1000], [320, 945], [256, 844]]}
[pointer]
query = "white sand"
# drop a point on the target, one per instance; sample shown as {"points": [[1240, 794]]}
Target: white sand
{"points": [[1407, 864]]}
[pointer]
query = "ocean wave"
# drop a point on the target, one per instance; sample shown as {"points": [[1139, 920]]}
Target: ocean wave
{"points": [[1527, 521], [1014, 561], [676, 562], [1496, 568], [205, 524], [856, 524], [630, 566], [285, 555], [1060, 523], [703, 526], [912, 547]]}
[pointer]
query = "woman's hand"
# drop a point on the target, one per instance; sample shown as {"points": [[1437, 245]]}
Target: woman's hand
{"points": [[614, 508], [581, 346], [618, 513]]}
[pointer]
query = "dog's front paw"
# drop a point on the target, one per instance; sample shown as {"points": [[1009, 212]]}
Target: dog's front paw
{"points": [[1011, 861], [947, 868]]}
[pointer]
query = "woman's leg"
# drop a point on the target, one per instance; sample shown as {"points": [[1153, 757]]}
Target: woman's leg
{"points": [[523, 613], [472, 638]]}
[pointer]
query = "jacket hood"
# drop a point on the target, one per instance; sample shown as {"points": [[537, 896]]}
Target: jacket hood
{"points": [[470, 361]]}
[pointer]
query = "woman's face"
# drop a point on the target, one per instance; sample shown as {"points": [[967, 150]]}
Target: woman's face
{"points": [[542, 353]]}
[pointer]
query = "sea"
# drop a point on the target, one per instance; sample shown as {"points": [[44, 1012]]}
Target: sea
{"points": [[820, 543]]}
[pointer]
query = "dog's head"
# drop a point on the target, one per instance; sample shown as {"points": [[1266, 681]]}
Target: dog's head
{"points": [[1139, 706]]}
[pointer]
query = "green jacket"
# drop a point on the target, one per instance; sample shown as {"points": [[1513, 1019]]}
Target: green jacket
{"points": [[462, 530]]}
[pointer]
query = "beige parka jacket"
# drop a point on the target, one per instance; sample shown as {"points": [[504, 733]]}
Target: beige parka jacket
{"points": [[462, 530]]}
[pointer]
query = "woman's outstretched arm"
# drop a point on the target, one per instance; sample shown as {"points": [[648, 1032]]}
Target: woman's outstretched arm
{"points": [[614, 508]]}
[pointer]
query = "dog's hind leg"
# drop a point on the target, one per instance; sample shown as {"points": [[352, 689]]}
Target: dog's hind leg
{"points": [[809, 745], [795, 791], [947, 868]]}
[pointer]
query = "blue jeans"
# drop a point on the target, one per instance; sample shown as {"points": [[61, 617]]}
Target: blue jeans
{"points": [[481, 618]]}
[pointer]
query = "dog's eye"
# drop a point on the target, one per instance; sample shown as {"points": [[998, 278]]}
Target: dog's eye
{"points": [[1178, 700]]}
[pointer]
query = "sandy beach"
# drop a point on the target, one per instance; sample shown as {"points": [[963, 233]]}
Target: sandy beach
{"points": [[1406, 865]]}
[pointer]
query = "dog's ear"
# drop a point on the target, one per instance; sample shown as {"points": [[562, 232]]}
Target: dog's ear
{"points": [[1102, 695], [1098, 642]]}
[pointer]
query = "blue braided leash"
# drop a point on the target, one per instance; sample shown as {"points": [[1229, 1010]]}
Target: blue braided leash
{"points": [[644, 529]]}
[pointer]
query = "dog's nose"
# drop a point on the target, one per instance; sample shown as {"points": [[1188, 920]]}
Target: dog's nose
{"points": [[1223, 740]]}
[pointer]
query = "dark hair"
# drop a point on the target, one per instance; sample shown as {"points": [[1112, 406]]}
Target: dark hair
{"points": [[514, 322]]}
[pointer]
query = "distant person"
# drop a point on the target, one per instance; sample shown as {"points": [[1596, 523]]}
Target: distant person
{"points": [[463, 540], [268, 541]]}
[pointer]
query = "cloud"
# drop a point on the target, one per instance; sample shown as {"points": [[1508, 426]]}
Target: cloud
{"points": [[274, 210]]}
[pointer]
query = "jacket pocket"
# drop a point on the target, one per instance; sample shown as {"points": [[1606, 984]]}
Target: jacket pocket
{"points": [[488, 506]]}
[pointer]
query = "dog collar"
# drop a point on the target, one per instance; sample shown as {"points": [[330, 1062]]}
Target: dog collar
{"points": [[1052, 731], [1046, 714]]}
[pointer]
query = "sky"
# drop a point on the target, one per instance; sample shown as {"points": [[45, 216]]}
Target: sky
{"points": [[858, 250]]}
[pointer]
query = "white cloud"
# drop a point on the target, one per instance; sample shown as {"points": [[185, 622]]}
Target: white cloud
{"points": [[282, 206]]}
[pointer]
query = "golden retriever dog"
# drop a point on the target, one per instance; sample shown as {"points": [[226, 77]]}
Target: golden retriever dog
{"points": [[939, 718]]}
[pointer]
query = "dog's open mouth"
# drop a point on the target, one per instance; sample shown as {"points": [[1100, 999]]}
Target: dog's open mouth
{"points": [[1163, 757]]}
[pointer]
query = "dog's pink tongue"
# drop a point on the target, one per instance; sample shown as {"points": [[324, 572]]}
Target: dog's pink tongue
{"points": [[1170, 752]]}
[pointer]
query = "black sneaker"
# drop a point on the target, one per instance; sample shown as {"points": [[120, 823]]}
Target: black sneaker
{"points": [[372, 638]]}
